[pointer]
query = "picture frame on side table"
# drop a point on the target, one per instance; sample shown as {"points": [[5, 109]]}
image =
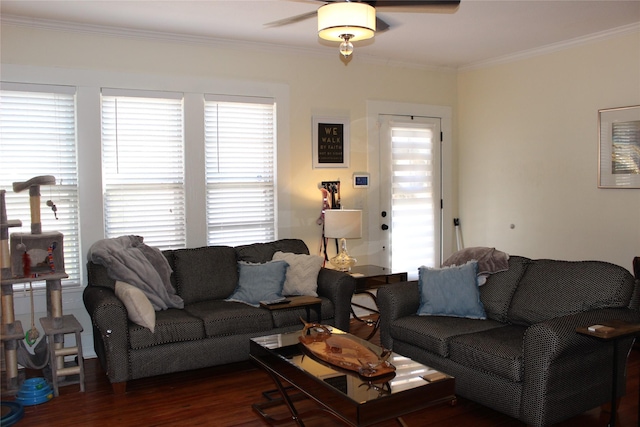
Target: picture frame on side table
{"points": [[619, 147], [330, 142]]}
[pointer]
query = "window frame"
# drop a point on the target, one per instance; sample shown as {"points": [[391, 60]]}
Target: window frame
{"points": [[253, 228], [142, 177], [58, 129]]}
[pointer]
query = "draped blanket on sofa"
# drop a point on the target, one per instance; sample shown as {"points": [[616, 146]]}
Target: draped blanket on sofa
{"points": [[129, 260]]}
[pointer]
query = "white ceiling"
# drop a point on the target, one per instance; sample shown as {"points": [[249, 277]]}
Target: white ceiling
{"points": [[480, 31]]}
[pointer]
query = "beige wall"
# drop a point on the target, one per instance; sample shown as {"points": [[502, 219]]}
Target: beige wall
{"points": [[316, 85], [524, 133], [525, 139], [310, 84], [528, 154]]}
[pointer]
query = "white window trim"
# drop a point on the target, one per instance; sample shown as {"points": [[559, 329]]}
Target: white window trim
{"points": [[271, 233], [125, 179], [50, 192], [89, 83]]}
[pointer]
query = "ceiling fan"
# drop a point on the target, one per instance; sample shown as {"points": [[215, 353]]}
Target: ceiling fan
{"points": [[352, 20]]}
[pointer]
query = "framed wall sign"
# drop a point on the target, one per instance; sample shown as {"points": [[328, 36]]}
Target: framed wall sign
{"points": [[330, 142], [619, 148]]}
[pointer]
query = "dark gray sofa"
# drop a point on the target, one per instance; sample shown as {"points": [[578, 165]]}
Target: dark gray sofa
{"points": [[208, 331], [526, 359]]}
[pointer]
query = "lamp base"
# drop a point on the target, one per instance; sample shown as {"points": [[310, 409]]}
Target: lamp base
{"points": [[343, 261]]}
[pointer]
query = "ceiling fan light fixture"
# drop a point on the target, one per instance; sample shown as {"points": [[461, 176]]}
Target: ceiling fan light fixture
{"points": [[346, 47], [340, 19]]}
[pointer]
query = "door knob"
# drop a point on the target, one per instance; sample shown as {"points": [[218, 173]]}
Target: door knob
{"points": [[384, 227]]}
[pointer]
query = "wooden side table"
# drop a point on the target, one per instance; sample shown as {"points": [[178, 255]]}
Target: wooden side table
{"points": [[368, 278], [617, 330], [305, 301]]}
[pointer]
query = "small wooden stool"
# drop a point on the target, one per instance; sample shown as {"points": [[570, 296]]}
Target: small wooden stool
{"points": [[58, 327]]}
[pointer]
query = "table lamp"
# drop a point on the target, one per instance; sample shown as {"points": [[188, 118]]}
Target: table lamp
{"points": [[343, 224]]}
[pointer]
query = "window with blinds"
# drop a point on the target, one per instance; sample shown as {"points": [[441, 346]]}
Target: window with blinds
{"points": [[412, 197], [38, 137], [143, 166], [240, 169]]}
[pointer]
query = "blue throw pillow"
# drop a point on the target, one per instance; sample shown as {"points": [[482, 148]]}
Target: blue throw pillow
{"points": [[259, 282], [450, 291]]}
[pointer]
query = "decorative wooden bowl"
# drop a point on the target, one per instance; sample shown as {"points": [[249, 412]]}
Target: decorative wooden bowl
{"points": [[345, 351]]}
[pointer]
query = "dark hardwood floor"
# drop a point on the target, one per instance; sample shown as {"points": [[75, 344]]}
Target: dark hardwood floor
{"points": [[222, 396]]}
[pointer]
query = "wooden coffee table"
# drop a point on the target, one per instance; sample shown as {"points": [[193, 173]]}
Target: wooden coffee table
{"points": [[350, 398]]}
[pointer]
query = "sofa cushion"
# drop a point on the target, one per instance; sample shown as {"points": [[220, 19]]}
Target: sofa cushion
{"points": [[230, 318], [450, 291], [302, 274], [497, 351], [499, 288], [139, 308], [263, 252], [172, 325], [205, 273], [433, 333], [552, 289], [259, 282]]}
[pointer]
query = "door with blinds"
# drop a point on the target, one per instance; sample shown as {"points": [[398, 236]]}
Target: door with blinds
{"points": [[410, 191]]}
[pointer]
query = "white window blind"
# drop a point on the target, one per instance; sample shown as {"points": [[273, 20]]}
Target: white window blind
{"points": [[626, 147], [240, 167], [412, 197], [143, 167], [38, 137]]}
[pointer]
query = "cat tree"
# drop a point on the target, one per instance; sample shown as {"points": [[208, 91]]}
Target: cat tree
{"points": [[36, 256]]}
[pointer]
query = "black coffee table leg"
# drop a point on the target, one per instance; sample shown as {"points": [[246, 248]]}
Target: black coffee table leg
{"points": [[285, 398]]}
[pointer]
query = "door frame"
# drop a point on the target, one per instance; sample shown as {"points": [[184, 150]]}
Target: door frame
{"points": [[444, 113]]}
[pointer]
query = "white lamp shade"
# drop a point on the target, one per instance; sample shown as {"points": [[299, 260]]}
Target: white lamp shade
{"points": [[340, 18], [343, 223]]}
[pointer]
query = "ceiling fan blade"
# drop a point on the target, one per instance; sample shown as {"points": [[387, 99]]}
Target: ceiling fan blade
{"points": [[381, 25], [291, 20], [385, 3], [426, 6]]}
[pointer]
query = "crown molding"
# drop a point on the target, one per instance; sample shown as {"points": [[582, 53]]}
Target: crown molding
{"points": [[555, 47], [121, 32], [111, 31], [105, 30]]}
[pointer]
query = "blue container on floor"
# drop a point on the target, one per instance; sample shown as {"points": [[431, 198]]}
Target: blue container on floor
{"points": [[34, 391], [12, 412]]}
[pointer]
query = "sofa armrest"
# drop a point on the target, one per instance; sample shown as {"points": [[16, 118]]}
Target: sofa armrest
{"points": [[109, 318], [338, 287], [557, 359], [396, 301], [559, 335]]}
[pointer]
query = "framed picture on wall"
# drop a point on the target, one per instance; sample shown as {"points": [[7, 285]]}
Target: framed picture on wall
{"points": [[619, 148], [330, 142]]}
